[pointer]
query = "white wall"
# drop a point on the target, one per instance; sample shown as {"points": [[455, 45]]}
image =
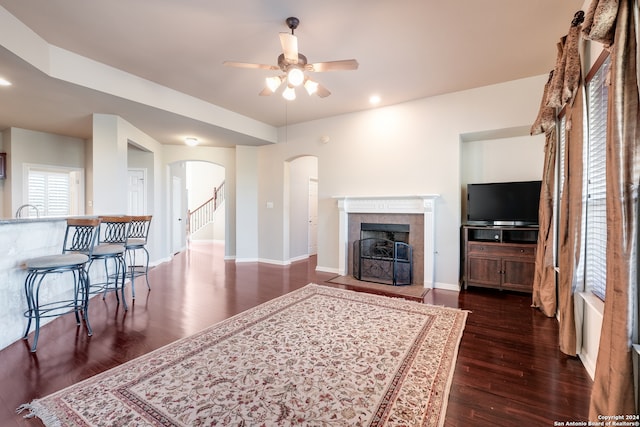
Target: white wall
{"points": [[109, 165], [202, 179], [247, 198], [503, 159], [27, 146], [410, 148]]}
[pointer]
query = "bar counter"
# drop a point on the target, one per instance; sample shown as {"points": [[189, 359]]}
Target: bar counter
{"points": [[22, 239]]}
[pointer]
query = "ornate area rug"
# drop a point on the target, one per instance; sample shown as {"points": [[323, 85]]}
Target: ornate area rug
{"points": [[318, 356]]}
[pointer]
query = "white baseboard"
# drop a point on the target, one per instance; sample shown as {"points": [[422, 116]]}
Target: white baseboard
{"points": [[322, 269], [447, 286], [273, 261], [298, 258], [239, 260]]}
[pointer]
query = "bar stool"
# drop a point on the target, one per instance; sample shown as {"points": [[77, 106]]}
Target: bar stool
{"points": [[79, 240], [137, 235], [112, 236]]}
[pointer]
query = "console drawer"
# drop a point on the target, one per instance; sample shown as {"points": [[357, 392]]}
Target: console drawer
{"points": [[502, 249]]}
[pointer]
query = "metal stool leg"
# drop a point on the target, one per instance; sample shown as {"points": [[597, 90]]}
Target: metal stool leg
{"points": [[121, 266], [85, 285], [146, 268]]}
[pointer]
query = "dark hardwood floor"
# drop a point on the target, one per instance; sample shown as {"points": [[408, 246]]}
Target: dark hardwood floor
{"points": [[509, 370]]}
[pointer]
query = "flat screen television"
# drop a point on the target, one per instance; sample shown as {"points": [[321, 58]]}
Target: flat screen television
{"points": [[503, 203]]}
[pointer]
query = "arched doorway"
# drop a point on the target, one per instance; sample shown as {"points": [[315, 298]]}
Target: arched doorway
{"points": [[197, 203]]}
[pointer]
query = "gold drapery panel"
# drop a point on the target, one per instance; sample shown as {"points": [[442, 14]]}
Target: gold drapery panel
{"points": [[544, 282], [613, 388], [570, 219]]}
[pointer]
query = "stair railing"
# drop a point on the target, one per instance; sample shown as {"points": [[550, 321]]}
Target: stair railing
{"points": [[204, 214]]}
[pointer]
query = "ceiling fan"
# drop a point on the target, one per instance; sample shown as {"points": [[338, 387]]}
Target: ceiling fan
{"points": [[293, 65]]}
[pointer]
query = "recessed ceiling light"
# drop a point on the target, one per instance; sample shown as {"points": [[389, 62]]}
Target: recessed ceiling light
{"points": [[4, 82], [374, 100], [191, 142]]}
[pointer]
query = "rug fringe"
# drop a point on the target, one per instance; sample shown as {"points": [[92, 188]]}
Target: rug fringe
{"points": [[35, 409]]}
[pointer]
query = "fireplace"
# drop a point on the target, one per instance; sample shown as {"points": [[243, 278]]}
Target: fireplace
{"points": [[383, 254], [416, 211]]}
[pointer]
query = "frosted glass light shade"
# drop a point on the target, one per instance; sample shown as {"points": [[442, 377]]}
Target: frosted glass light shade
{"points": [[311, 86], [273, 83], [295, 76], [289, 93]]}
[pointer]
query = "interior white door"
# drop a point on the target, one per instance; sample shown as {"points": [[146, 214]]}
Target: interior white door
{"points": [[137, 204], [177, 224], [313, 216]]}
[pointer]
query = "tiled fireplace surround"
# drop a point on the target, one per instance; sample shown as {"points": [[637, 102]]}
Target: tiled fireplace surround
{"points": [[417, 211]]}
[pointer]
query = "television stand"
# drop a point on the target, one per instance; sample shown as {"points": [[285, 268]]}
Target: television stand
{"points": [[499, 257]]}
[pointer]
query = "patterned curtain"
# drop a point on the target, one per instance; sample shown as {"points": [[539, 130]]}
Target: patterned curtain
{"points": [[613, 388]]}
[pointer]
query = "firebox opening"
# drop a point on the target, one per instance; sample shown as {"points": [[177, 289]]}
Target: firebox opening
{"points": [[393, 232], [383, 254]]}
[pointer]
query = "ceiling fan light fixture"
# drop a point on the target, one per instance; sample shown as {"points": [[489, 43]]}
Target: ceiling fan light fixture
{"points": [[311, 86], [295, 76], [273, 83], [289, 93]]}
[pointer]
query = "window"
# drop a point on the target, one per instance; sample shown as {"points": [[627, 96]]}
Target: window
{"points": [[54, 191], [595, 230]]}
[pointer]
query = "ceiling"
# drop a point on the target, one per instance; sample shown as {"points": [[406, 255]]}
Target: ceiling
{"points": [[406, 49]]}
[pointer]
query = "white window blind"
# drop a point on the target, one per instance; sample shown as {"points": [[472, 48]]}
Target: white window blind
{"points": [[596, 200], [49, 191]]}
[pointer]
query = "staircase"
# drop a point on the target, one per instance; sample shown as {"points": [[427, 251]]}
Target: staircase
{"points": [[203, 214]]}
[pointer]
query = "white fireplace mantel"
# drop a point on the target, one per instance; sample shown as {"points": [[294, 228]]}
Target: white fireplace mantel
{"points": [[408, 204]]}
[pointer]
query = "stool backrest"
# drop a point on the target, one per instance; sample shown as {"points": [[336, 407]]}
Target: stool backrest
{"points": [[81, 235], [139, 227], [113, 229]]}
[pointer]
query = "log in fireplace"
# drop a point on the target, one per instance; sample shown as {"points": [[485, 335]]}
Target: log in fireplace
{"points": [[383, 254]]}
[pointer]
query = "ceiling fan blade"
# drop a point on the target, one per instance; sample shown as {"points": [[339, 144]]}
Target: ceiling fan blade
{"points": [[289, 44], [322, 91], [250, 65], [345, 64], [266, 92]]}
